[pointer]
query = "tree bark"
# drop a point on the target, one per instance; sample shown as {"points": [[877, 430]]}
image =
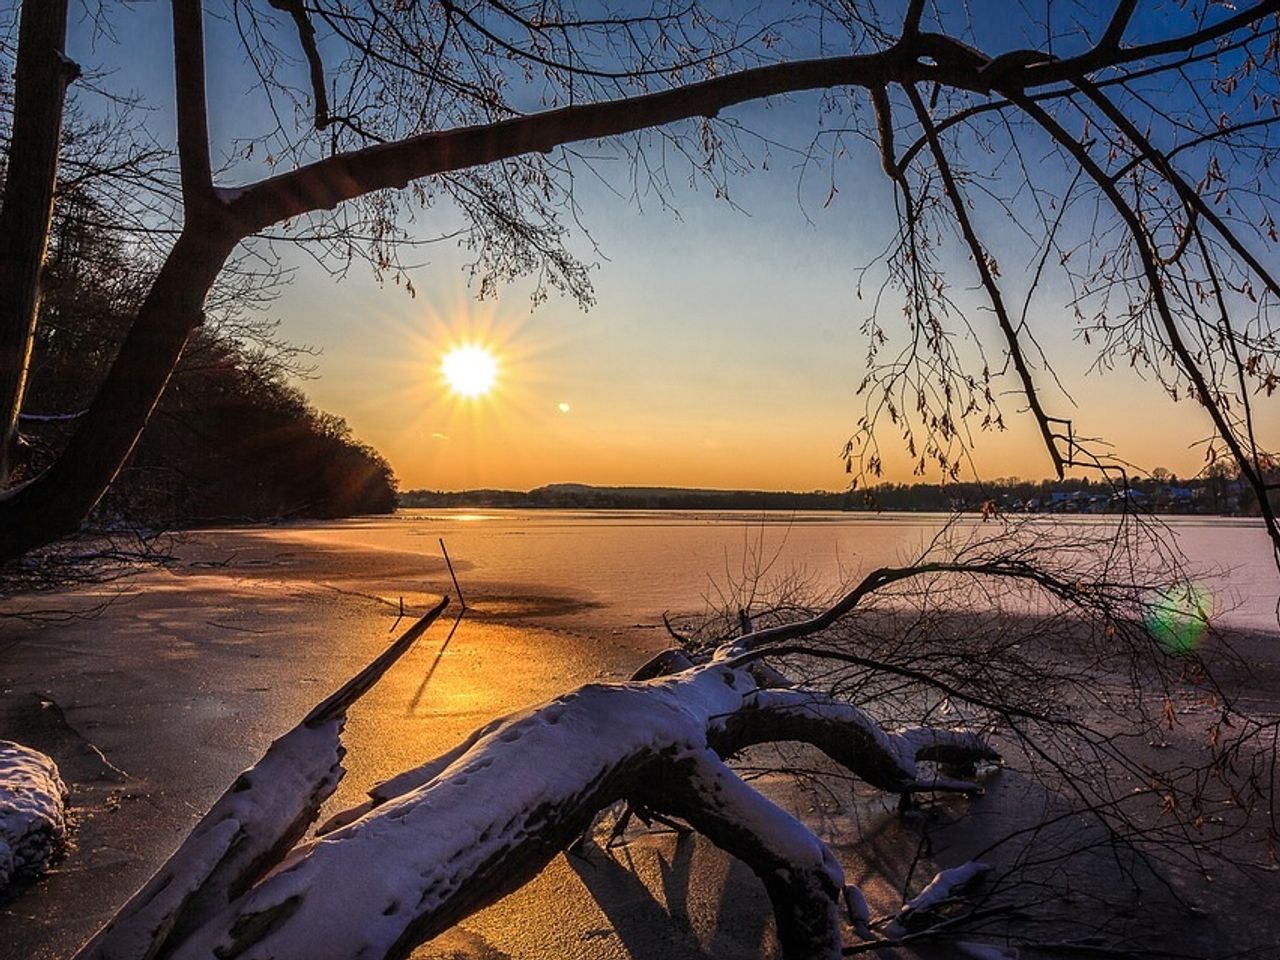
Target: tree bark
{"points": [[43, 73]]}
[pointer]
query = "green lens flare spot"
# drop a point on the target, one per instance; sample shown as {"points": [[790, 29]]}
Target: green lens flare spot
{"points": [[1179, 616]]}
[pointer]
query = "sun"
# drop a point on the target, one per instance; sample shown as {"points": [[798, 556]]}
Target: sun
{"points": [[469, 370]]}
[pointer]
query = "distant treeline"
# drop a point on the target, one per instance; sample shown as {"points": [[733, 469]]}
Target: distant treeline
{"points": [[231, 439], [1217, 493], [582, 496]]}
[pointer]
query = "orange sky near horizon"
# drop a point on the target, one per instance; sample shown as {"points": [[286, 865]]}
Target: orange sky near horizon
{"points": [[692, 407]]}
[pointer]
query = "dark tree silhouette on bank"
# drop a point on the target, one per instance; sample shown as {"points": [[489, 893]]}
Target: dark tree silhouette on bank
{"points": [[27, 207], [230, 439]]}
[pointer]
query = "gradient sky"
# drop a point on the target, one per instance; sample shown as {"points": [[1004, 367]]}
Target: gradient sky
{"points": [[723, 350]]}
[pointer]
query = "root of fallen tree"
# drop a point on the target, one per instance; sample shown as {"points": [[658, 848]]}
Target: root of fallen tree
{"points": [[437, 843]]}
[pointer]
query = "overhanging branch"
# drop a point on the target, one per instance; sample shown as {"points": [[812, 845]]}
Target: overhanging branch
{"points": [[988, 280], [191, 104], [315, 66]]}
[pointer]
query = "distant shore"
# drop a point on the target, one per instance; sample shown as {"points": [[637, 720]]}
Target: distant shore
{"points": [[1202, 496]]}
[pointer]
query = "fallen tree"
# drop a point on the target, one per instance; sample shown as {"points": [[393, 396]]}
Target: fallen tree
{"points": [[441, 841], [438, 842]]}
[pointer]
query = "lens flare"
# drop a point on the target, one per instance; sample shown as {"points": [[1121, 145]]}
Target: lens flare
{"points": [[1179, 616]]}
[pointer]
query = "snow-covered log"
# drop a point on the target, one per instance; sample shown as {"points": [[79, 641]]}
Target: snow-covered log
{"points": [[450, 837], [263, 814], [440, 841], [420, 862], [851, 738], [33, 823]]}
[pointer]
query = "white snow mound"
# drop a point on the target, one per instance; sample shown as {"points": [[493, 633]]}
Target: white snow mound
{"points": [[33, 823]]}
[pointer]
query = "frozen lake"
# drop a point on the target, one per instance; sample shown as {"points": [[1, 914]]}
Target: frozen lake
{"points": [[636, 564]]}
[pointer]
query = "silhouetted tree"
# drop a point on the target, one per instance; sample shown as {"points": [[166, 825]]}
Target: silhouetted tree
{"points": [[30, 175], [230, 438]]}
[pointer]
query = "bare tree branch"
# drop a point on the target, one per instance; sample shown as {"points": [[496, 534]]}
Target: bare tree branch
{"points": [[1156, 287], [192, 106], [307, 38], [979, 256]]}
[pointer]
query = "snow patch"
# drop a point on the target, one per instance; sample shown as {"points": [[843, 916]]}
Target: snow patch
{"points": [[229, 195], [33, 824], [944, 885]]}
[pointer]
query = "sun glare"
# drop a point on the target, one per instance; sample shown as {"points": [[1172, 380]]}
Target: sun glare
{"points": [[470, 370]]}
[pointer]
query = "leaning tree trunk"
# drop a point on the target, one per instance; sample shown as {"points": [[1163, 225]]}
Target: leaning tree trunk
{"points": [[55, 503], [40, 88], [439, 842]]}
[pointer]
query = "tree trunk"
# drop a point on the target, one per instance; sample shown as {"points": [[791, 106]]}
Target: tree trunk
{"points": [[55, 503], [43, 73]]}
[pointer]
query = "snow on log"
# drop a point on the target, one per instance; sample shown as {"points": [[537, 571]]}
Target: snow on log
{"points": [[440, 841], [945, 885], [443, 840], [262, 815], [488, 823], [33, 822]]}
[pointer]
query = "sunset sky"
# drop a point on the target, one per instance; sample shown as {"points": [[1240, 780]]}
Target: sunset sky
{"points": [[723, 350]]}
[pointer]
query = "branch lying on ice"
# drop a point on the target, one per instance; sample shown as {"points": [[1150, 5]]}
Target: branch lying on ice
{"points": [[419, 863], [944, 888], [852, 739], [337, 703], [440, 841], [249, 829], [453, 835], [1010, 568]]}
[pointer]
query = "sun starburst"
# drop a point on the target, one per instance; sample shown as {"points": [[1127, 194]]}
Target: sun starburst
{"points": [[469, 370]]}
